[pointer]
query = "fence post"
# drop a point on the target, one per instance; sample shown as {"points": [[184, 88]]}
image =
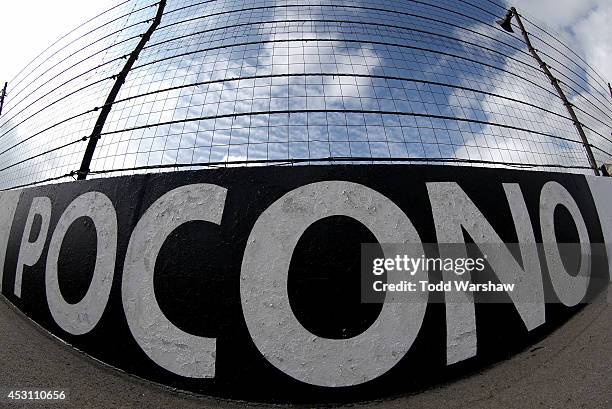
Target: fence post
{"points": [[2, 97], [555, 82], [119, 80]]}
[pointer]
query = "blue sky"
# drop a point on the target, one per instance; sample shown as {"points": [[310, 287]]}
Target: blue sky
{"points": [[585, 24], [582, 24]]}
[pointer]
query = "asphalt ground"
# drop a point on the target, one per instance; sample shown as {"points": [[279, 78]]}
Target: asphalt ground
{"points": [[571, 368]]}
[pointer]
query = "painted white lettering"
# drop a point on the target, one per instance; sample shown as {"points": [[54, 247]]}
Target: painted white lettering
{"points": [[453, 211], [275, 330], [570, 289], [170, 347], [30, 252], [82, 317]]}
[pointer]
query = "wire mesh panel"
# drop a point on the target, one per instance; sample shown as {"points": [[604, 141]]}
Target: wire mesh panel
{"points": [[257, 82], [53, 102]]}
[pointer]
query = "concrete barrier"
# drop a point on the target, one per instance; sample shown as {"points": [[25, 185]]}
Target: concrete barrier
{"points": [[244, 283]]}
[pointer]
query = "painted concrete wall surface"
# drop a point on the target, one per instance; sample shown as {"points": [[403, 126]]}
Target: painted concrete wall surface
{"points": [[245, 282]]}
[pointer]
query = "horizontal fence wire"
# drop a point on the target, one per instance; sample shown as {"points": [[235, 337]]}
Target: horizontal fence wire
{"points": [[288, 162], [31, 83], [600, 80], [305, 75], [568, 78], [276, 83], [66, 69], [554, 37], [59, 40]]}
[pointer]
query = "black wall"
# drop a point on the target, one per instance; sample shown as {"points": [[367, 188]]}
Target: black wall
{"points": [[198, 271]]}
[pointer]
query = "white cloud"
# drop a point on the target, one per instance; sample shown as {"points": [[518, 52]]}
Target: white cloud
{"points": [[584, 25], [557, 13], [594, 34]]}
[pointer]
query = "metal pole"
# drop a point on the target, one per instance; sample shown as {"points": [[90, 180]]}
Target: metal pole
{"points": [[2, 97], [110, 100], [555, 83]]}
